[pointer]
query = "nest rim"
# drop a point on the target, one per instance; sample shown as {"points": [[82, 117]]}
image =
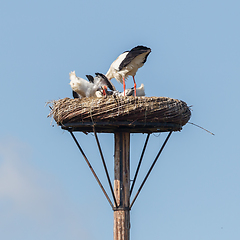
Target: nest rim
{"points": [[137, 114]]}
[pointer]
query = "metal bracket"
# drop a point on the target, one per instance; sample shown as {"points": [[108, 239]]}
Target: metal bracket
{"points": [[107, 174], [121, 209]]}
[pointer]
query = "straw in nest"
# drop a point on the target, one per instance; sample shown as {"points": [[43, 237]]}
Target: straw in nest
{"points": [[117, 109]]}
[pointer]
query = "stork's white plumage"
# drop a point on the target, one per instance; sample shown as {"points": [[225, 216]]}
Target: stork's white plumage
{"points": [[140, 91], [127, 64], [83, 88]]}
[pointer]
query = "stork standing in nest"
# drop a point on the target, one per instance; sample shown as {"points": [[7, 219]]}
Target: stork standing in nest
{"points": [[127, 64]]}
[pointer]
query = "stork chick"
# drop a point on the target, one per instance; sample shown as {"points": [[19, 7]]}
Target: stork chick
{"points": [[128, 92], [140, 91], [127, 64]]}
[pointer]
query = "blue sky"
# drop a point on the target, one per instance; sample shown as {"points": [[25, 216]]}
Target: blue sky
{"points": [[46, 189]]}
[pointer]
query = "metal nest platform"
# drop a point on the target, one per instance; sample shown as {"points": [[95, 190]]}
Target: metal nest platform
{"points": [[127, 114]]}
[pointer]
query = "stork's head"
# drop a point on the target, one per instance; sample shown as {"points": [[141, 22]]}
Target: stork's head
{"points": [[74, 83], [104, 89], [72, 75]]}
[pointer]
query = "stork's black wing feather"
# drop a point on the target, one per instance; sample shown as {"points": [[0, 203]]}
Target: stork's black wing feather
{"points": [[134, 53], [106, 81], [90, 78], [75, 95]]}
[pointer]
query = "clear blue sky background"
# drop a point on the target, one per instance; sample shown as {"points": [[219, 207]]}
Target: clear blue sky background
{"points": [[46, 189]]}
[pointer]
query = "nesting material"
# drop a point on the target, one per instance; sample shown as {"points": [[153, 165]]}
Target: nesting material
{"points": [[117, 109]]}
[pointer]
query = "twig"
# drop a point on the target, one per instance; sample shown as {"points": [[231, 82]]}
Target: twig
{"points": [[202, 128]]}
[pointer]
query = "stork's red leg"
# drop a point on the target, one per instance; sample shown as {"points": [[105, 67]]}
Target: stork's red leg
{"points": [[124, 86], [135, 87]]}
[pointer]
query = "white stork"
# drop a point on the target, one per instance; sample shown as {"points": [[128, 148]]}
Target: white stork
{"points": [[83, 88], [127, 64]]}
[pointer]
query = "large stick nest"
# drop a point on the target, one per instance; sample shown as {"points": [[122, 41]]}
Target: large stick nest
{"points": [[117, 109]]}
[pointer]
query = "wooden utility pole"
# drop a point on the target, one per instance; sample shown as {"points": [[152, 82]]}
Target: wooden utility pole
{"points": [[121, 229]]}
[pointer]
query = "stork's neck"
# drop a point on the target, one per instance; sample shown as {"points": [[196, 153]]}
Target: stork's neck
{"points": [[109, 74]]}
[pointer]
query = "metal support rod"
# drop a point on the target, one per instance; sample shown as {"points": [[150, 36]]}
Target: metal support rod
{"points": [[105, 167], [149, 171], [139, 164], [93, 172]]}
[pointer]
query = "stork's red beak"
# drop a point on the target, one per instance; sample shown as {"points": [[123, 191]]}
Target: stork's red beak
{"points": [[104, 90]]}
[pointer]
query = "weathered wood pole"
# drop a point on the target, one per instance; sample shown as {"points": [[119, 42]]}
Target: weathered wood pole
{"points": [[121, 228]]}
